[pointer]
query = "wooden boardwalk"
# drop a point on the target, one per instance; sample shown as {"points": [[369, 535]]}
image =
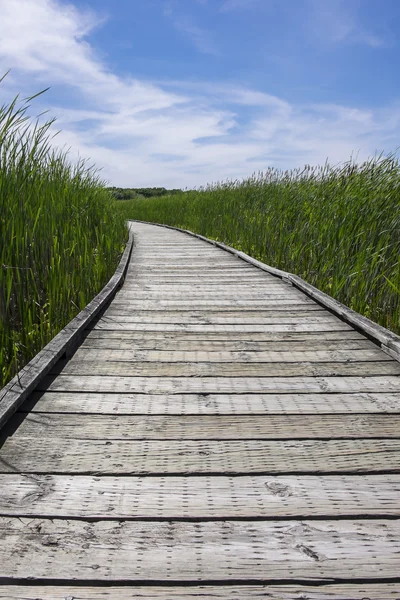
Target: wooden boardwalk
{"points": [[217, 435]]}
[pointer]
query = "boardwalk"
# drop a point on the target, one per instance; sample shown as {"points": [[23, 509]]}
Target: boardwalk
{"points": [[217, 435]]}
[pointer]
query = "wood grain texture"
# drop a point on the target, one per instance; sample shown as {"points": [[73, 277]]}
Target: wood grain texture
{"points": [[252, 497], [229, 356], [225, 369], [213, 403], [242, 315], [145, 347], [232, 303], [121, 457], [381, 591], [295, 325], [331, 383], [176, 551], [237, 336], [207, 427]]}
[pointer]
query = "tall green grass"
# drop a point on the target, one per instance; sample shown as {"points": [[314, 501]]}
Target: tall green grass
{"points": [[60, 241], [337, 227]]}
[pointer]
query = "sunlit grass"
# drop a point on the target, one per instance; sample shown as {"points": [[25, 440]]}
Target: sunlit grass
{"points": [[337, 227], [60, 237]]}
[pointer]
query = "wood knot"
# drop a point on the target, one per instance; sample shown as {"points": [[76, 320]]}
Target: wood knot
{"points": [[278, 489], [308, 551]]}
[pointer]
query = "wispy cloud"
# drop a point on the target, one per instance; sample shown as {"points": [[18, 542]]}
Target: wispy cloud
{"points": [[174, 133], [338, 21], [201, 38]]}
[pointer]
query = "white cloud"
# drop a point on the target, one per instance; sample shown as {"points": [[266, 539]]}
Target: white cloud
{"points": [[171, 133]]}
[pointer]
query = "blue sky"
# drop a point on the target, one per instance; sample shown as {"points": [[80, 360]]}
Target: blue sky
{"points": [[185, 92]]}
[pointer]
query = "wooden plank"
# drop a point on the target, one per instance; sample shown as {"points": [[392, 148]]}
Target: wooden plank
{"points": [[205, 319], [208, 317], [150, 264], [176, 551], [147, 347], [237, 336], [216, 307], [220, 385], [348, 591], [182, 276], [229, 287], [103, 427], [59, 496], [185, 278], [227, 356], [300, 326], [209, 369], [197, 404], [209, 291], [212, 294], [121, 457]]}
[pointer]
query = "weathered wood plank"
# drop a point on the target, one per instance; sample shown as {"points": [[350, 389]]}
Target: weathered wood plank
{"points": [[150, 264], [176, 551], [238, 277], [210, 317], [245, 292], [104, 427], [147, 347], [228, 304], [325, 325], [203, 276], [197, 404], [380, 591], [56, 496], [285, 317], [183, 305], [220, 385], [228, 287], [120, 457], [209, 369], [232, 357], [237, 336], [223, 293]]}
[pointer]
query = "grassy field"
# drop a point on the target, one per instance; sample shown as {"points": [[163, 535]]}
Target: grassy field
{"points": [[60, 242], [337, 227]]}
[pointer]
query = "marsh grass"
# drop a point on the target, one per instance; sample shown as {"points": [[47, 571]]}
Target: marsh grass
{"points": [[337, 227], [60, 237]]}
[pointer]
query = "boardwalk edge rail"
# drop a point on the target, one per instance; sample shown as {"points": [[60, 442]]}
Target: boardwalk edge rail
{"points": [[65, 342], [387, 340]]}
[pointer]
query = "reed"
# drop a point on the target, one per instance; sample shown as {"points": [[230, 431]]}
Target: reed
{"points": [[60, 241], [337, 227]]}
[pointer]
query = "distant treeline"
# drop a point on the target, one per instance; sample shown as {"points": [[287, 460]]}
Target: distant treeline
{"points": [[131, 193]]}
